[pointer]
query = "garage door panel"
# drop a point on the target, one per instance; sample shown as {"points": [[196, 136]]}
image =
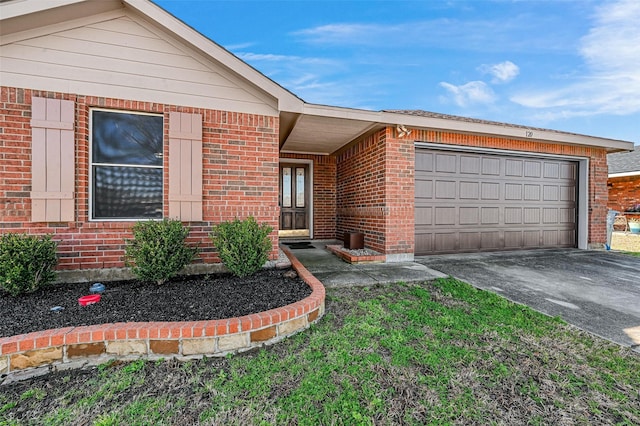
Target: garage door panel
{"points": [[551, 170], [469, 190], [532, 192], [568, 171], [491, 166], [513, 215], [532, 169], [513, 239], [445, 189], [424, 162], [446, 163], [470, 241], [513, 191], [567, 193], [490, 191], [550, 216], [424, 189], [513, 167], [469, 216], [423, 216], [479, 201], [490, 216], [445, 242], [490, 240], [469, 164], [445, 216], [424, 243], [551, 193], [531, 239]]}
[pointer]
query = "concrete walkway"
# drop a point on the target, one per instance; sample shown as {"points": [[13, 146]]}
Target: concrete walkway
{"points": [[596, 291], [333, 272]]}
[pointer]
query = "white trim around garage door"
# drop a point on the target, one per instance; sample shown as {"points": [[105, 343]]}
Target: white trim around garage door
{"points": [[582, 184]]}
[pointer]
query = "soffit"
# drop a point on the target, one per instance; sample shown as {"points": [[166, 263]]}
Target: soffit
{"points": [[321, 129], [321, 135]]}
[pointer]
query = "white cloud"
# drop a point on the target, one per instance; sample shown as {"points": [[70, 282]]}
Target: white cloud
{"points": [[474, 92], [513, 34], [503, 72], [270, 57], [611, 85]]}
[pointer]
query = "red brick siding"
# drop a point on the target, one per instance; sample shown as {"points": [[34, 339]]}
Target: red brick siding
{"points": [[324, 193], [361, 190], [375, 192], [240, 177], [624, 192]]}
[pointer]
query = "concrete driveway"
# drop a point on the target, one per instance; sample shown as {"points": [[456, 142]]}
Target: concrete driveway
{"points": [[596, 291]]}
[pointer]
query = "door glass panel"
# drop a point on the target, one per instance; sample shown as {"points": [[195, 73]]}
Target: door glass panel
{"points": [[300, 187], [286, 186]]}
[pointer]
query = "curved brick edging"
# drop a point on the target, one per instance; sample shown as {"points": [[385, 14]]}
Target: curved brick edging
{"points": [[97, 343]]}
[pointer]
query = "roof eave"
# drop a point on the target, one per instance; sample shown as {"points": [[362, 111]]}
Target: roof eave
{"points": [[459, 126], [286, 100]]}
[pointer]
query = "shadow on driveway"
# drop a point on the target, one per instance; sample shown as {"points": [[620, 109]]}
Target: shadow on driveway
{"points": [[596, 291]]}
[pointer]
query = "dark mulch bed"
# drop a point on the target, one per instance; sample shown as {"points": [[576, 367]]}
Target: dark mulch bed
{"points": [[194, 298]]}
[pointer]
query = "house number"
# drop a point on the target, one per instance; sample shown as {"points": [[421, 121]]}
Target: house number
{"points": [[528, 133]]}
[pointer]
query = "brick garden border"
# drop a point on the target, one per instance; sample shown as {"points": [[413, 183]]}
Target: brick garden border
{"points": [[77, 346]]}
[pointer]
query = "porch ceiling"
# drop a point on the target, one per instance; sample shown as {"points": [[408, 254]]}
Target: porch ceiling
{"points": [[301, 133]]}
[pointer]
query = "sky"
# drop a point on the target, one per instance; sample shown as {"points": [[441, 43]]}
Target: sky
{"points": [[568, 65]]}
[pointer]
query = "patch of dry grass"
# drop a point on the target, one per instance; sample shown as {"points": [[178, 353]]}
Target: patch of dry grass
{"points": [[625, 241]]}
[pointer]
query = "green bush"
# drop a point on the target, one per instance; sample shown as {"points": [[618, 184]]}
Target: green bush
{"points": [[158, 250], [26, 262], [243, 245]]}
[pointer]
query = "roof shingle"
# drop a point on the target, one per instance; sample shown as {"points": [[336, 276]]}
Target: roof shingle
{"points": [[624, 162]]}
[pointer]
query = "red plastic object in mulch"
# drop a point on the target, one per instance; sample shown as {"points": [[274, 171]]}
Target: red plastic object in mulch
{"points": [[89, 300]]}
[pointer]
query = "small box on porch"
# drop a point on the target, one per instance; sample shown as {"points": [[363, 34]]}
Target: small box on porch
{"points": [[353, 240]]}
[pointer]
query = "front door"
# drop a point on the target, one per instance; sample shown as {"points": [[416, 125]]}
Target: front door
{"points": [[294, 200]]}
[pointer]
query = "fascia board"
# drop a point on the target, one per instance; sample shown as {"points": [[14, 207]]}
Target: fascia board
{"points": [[13, 9], [624, 174]]}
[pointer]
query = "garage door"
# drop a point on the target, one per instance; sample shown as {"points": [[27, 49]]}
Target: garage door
{"points": [[466, 202]]}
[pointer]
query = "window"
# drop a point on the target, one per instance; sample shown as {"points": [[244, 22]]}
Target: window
{"points": [[126, 165]]}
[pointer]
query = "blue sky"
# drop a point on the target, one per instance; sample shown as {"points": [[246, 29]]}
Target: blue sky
{"points": [[566, 65]]}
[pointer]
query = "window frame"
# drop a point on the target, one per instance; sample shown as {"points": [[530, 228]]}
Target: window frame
{"points": [[91, 165]]}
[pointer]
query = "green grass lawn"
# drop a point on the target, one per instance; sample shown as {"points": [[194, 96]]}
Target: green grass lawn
{"points": [[429, 353]]}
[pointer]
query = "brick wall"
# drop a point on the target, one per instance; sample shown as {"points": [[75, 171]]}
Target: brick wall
{"points": [[375, 192], [324, 193], [240, 177], [624, 192], [361, 190]]}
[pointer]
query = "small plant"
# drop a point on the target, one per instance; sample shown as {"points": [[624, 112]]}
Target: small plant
{"points": [[158, 250], [26, 262], [243, 245]]}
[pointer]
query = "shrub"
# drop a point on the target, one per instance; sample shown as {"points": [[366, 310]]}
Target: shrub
{"points": [[26, 262], [243, 245], [158, 250]]}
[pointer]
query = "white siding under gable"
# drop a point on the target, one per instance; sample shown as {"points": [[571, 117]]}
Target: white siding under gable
{"points": [[121, 57]]}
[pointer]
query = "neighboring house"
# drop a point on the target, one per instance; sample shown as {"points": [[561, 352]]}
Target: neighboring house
{"points": [[624, 180], [114, 111]]}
